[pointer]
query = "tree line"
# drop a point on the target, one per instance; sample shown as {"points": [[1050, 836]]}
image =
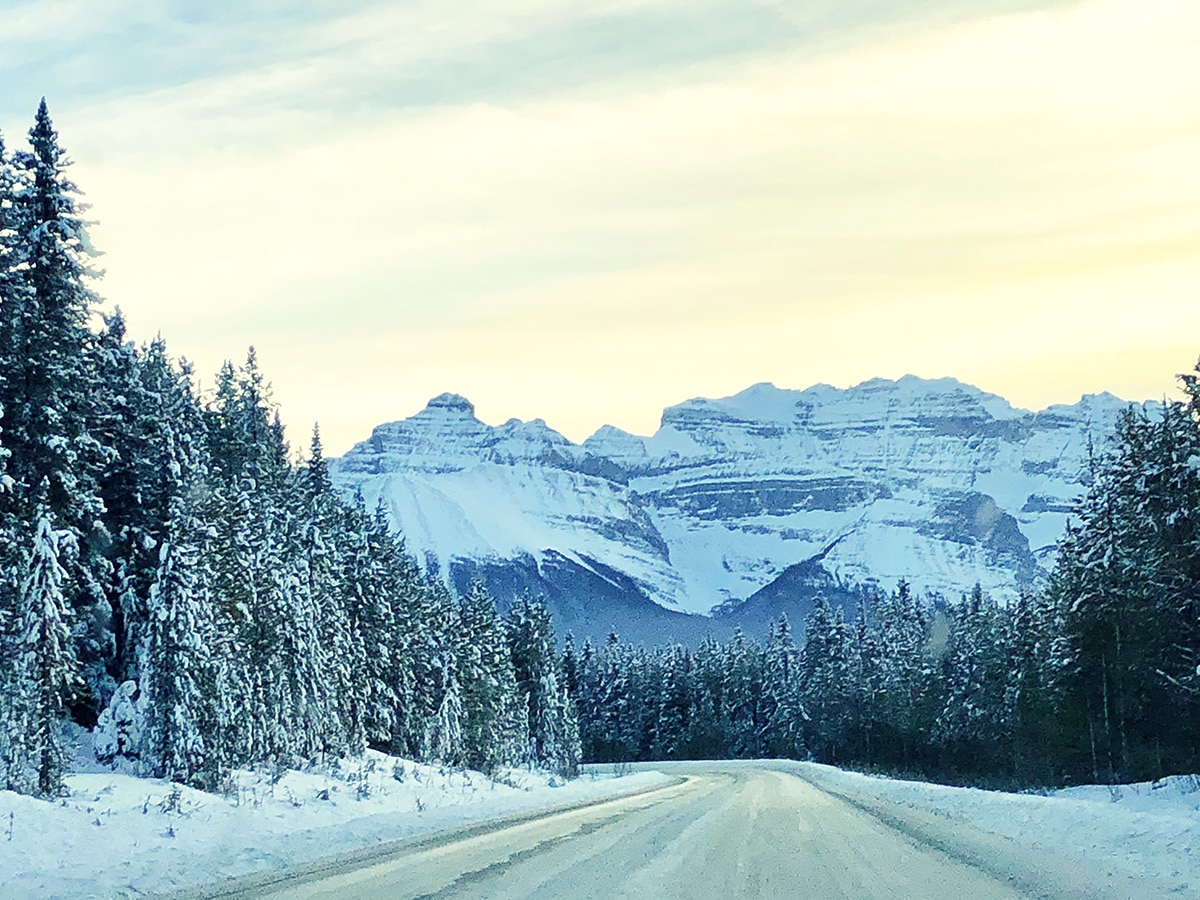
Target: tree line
{"points": [[170, 575], [1094, 679]]}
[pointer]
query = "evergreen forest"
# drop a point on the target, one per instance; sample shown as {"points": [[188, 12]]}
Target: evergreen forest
{"points": [[172, 578], [175, 578], [1095, 679]]}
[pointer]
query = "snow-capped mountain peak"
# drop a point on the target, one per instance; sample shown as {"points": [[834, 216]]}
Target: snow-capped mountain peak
{"points": [[934, 481], [446, 436], [449, 404]]}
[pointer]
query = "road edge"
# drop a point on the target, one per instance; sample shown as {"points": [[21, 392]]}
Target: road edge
{"points": [[1059, 873], [337, 864]]}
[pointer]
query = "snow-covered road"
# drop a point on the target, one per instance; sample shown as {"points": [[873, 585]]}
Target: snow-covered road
{"points": [[116, 835], [735, 830], [759, 828]]}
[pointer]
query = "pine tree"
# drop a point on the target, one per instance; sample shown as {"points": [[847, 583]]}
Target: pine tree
{"points": [[367, 561], [122, 418], [45, 665], [978, 717], [484, 671], [45, 384], [45, 412], [431, 616], [826, 682], [11, 290], [336, 673], [15, 293], [446, 741], [743, 692], [1127, 582], [530, 637], [675, 705], [263, 620], [901, 676], [1040, 661], [403, 641], [607, 703], [708, 734], [179, 678], [783, 712]]}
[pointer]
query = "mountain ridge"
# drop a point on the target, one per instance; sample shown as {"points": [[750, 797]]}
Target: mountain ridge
{"points": [[934, 481]]}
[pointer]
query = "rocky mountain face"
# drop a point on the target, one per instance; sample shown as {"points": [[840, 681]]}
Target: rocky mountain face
{"points": [[739, 508]]}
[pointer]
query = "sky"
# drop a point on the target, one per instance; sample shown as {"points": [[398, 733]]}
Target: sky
{"points": [[588, 211]]}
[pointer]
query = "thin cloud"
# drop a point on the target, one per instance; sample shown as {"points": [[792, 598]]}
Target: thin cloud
{"points": [[390, 209]]}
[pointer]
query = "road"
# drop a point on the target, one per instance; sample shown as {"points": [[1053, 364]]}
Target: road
{"points": [[724, 832]]}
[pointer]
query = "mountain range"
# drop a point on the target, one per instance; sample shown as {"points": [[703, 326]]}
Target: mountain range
{"points": [[737, 509]]}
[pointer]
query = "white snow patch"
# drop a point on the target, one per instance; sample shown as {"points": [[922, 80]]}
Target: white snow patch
{"points": [[116, 835], [1148, 830]]}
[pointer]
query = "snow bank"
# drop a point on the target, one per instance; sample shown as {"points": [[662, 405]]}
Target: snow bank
{"points": [[1149, 831], [118, 835]]}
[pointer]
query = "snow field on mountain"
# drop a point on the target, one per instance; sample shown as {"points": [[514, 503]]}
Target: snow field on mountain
{"points": [[501, 512], [117, 835], [879, 545], [742, 487], [1149, 830]]}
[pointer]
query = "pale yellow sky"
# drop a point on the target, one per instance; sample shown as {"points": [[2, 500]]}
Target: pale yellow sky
{"points": [[588, 222]]}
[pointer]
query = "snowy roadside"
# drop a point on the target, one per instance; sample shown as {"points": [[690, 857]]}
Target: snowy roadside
{"points": [[117, 835], [1129, 832]]}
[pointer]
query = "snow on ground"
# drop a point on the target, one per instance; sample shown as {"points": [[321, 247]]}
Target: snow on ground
{"points": [[1149, 830], [117, 835]]}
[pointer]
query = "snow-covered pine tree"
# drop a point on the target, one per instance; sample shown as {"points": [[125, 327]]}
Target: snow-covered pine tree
{"points": [[11, 289], [708, 735], [674, 704], [827, 682], [1040, 659], [1127, 582], [46, 669], [174, 630], [514, 745], [606, 702], [571, 756], [135, 408], [365, 580], [15, 292], [121, 415], [45, 388], [445, 741], [13, 724], [179, 680], [330, 667], [556, 740], [254, 576], [586, 697], [743, 694], [782, 710], [57, 457], [430, 616], [535, 662], [405, 620], [643, 682], [15, 298], [482, 659], [977, 719], [902, 673], [1183, 518], [568, 664]]}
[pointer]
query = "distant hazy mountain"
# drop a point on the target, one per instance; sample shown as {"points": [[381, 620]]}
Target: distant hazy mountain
{"points": [[738, 508]]}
